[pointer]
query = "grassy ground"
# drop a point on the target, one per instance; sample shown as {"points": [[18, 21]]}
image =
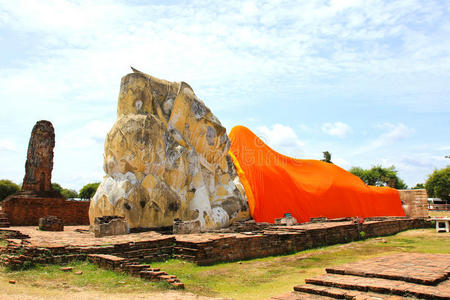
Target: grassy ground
{"points": [[434, 213], [261, 278], [253, 279]]}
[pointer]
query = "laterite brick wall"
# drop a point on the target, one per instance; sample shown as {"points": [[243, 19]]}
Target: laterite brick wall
{"points": [[27, 211], [414, 203]]}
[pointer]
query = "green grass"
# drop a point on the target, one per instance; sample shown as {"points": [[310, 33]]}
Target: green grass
{"points": [[434, 213], [51, 277], [251, 279], [262, 278]]}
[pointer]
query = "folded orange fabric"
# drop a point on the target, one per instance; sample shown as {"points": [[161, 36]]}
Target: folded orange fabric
{"points": [[276, 184]]}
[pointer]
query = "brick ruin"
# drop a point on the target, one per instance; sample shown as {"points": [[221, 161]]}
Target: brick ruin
{"points": [[37, 199], [202, 249], [39, 164], [414, 203], [406, 275]]}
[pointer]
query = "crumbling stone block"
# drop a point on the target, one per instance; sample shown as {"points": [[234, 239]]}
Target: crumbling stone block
{"points": [[414, 203], [110, 225], [287, 220], [318, 220], [51, 223], [184, 227]]}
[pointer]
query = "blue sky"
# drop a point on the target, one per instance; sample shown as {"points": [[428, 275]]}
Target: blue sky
{"points": [[368, 81]]}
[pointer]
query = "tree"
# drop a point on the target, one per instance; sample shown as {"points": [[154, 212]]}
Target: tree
{"points": [[7, 187], [379, 176], [419, 186], [89, 190], [327, 157], [438, 184], [69, 193], [57, 187]]}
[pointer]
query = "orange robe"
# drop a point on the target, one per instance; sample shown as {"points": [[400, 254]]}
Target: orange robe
{"points": [[276, 184]]}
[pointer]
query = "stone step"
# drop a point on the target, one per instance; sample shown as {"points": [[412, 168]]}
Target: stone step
{"points": [[337, 293], [4, 224], [431, 273], [299, 296], [4, 221], [381, 285]]}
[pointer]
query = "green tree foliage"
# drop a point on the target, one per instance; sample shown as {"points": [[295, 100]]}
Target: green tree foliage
{"points": [[327, 157], [438, 184], [379, 176], [89, 190], [7, 187], [57, 187], [69, 193], [419, 186]]}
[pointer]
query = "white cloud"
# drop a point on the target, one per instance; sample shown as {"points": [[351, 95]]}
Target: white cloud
{"points": [[415, 167], [91, 134], [393, 134], [341, 162], [97, 129], [338, 129], [444, 148], [7, 145], [282, 139], [73, 54]]}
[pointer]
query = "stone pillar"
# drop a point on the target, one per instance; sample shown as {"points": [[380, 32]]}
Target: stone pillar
{"points": [[414, 203], [39, 164]]}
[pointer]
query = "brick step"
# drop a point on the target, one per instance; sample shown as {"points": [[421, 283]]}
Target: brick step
{"points": [[299, 296], [152, 254], [4, 221], [382, 286], [427, 278], [134, 268], [337, 293]]}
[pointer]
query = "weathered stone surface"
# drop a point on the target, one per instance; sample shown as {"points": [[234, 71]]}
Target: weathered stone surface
{"points": [[415, 204], [166, 157], [51, 223], [183, 227], [39, 164], [287, 220], [110, 225]]}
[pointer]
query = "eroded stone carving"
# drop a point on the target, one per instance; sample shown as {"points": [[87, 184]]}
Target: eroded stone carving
{"points": [[166, 157], [39, 164]]}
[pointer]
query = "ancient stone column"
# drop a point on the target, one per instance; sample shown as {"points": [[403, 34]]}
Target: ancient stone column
{"points": [[39, 164]]}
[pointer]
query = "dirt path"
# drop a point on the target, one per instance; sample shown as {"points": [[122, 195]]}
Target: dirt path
{"points": [[20, 291]]}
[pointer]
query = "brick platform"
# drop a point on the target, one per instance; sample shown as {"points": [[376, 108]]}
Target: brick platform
{"points": [[429, 269], [401, 276], [75, 242]]}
